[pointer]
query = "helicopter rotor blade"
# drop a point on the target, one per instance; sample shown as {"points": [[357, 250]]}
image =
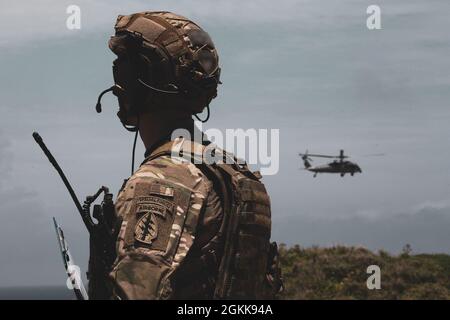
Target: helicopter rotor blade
{"points": [[326, 156], [374, 155], [308, 156]]}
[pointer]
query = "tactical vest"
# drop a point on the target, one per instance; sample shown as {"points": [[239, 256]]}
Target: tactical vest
{"points": [[248, 266]]}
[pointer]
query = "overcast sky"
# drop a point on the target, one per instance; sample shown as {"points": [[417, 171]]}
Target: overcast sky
{"points": [[308, 68]]}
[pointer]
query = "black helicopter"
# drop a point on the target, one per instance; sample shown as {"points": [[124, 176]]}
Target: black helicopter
{"points": [[337, 166]]}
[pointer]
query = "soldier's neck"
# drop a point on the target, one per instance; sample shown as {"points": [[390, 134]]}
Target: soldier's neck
{"points": [[153, 129]]}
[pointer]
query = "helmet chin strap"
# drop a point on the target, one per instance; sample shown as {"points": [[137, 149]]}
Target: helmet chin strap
{"points": [[128, 127], [207, 115]]}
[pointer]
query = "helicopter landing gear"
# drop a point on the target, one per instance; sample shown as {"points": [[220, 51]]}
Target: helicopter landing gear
{"points": [[315, 175], [342, 174], [352, 174]]}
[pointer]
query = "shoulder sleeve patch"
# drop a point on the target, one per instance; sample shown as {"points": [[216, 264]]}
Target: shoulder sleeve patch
{"points": [[156, 215]]}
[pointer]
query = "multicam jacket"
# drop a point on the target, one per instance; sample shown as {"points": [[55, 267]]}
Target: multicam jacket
{"points": [[170, 210]]}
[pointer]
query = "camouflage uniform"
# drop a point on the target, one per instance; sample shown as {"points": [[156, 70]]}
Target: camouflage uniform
{"points": [[170, 210]]}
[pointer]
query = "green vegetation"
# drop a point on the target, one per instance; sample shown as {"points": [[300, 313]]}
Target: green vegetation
{"points": [[340, 273]]}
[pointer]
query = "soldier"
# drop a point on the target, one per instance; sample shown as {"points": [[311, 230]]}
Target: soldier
{"points": [[186, 229]]}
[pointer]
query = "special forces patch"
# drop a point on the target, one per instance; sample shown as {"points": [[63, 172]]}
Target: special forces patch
{"points": [[146, 229], [154, 226]]}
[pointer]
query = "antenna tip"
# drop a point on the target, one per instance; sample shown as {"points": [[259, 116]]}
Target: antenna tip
{"points": [[37, 137]]}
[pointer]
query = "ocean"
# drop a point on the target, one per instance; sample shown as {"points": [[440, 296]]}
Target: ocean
{"points": [[36, 293]]}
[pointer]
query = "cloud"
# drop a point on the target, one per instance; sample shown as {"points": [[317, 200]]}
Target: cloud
{"points": [[36, 21]]}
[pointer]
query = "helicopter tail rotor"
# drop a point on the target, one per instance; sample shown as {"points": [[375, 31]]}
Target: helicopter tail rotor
{"points": [[305, 156], [306, 159]]}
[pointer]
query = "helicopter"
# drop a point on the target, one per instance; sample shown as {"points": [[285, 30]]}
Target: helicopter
{"points": [[336, 166]]}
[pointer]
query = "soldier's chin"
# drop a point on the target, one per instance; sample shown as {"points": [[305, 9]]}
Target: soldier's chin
{"points": [[128, 120], [131, 121]]}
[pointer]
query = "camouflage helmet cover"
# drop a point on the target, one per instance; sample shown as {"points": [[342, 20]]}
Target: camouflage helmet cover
{"points": [[174, 55]]}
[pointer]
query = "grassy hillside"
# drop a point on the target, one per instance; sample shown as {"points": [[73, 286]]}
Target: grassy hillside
{"points": [[340, 273]]}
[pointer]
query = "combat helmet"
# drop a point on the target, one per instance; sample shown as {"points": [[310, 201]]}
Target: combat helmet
{"points": [[164, 60]]}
